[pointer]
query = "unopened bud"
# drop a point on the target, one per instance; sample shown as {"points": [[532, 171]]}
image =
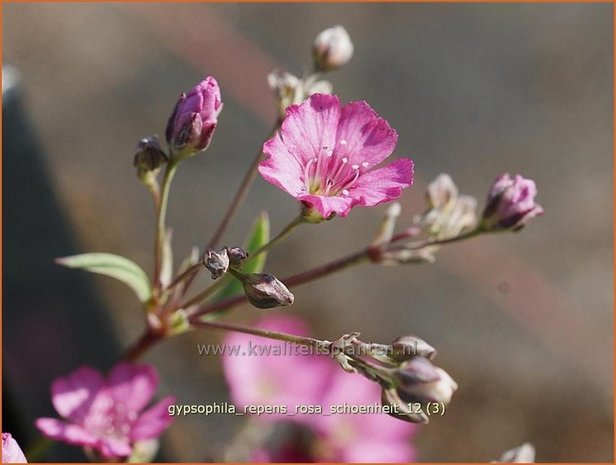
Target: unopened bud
{"points": [[216, 262], [291, 90], [510, 204], [521, 454], [266, 291], [287, 88], [417, 380], [406, 347], [331, 49], [400, 409], [149, 157], [237, 256], [191, 125]]}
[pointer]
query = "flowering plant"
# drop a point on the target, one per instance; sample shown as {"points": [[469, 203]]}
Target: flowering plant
{"points": [[330, 157]]}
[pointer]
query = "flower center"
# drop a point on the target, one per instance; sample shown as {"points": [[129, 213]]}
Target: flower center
{"points": [[110, 419], [330, 174]]}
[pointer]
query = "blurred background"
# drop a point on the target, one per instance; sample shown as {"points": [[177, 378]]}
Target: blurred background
{"points": [[523, 322]]}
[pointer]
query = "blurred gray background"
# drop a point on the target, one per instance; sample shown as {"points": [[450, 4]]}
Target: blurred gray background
{"points": [[523, 322]]}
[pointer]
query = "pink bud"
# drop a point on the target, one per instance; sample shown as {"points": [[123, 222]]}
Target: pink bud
{"points": [[511, 203], [332, 48], [194, 119]]}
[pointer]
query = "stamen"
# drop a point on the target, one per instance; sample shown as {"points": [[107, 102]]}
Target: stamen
{"points": [[307, 176], [328, 185]]}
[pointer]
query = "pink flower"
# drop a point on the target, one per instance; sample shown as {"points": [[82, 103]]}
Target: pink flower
{"points": [[369, 437], [294, 380], [261, 375], [195, 116], [511, 203], [325, 156], [107, 414], [11, 452]]}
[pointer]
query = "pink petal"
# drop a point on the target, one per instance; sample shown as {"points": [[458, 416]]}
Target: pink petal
{"points": [[259, 375], [310, 127], [133, 385], [61, 431], [381, 451], [153, 421], [72, 396], [327, 205], [114, 447], [383, 184], [367, 137], [281, 168]]}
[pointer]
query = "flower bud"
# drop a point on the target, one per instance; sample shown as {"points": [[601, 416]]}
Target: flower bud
{"points": [[193, 121], [441, 191], [287, 88], [266, 291], [450, 214], [401, 409], [406, 347], [510, 204], [291, 90], [216, 262], [521, 454], [417, 380], [149, 157], [332, 49], [237, 256]]}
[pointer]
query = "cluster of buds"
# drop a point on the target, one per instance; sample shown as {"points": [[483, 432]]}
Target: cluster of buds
{"points": [[331, 49], [262, 290], [189, 130], [451, 216], [218, 263], [412, 387]]}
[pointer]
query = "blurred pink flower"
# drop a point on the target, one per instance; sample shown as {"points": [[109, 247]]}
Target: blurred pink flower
{"points": [[11, 452], [358, 438], [107, 414], [261, 376], [191, 125], [325, 156], [293, 380]]}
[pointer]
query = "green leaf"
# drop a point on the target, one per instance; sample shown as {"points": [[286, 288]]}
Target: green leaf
{"points": [[258, 235], [114, 266]]}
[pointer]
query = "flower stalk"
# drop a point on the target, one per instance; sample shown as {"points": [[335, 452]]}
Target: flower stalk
{"points": [[161, 221]]}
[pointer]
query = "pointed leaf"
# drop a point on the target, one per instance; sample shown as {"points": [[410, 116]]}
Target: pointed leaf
{"points": [[115, 266]]}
